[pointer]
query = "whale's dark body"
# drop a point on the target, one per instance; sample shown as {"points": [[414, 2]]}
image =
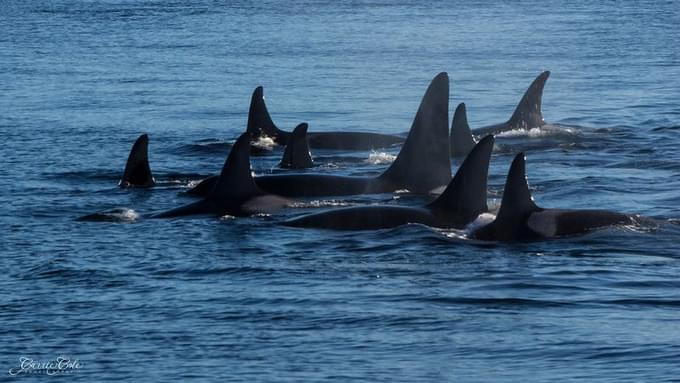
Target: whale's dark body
{"points": [[460, 203], [520, 219], [260, 124], [423, 164]]}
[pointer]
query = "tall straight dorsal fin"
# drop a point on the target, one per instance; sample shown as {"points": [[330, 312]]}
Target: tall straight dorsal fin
{"points": [[236, 179], [465, 197], [461, 136], [424, 162], [528, 112], [296, 155], [260, 122], [137, 172], [516, 207]]}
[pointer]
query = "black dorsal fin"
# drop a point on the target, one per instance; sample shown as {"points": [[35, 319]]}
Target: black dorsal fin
{"points": [[517, 199], [296, 155], [236, 179], [137, 172], [528, 112], [516, 207], [424, 162], [260, 122], [461, 136], [465, 197]]}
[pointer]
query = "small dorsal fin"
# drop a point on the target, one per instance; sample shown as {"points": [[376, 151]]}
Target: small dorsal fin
{"points": [[424, 162], [296, 155], [517, 199], [465, 197], [137, 172], [516, 207], [236, 179], [461, 136], [528, 112], [260, 122]]}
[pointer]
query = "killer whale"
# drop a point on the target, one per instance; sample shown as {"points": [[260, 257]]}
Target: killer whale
{"points": [[137, 172], [235, 192], [527, 116], [519, 219], [460, 203], [296, 155], [260, 124], [422, 165]]}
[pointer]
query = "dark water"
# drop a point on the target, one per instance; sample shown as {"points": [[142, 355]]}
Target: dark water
{"points": [[249, 300]]}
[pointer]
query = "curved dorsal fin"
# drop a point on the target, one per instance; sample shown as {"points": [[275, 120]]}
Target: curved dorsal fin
{"points": [[465, 197], [516, 207], [137, 172], [461, 136], [517, 199], [528, 114], [296, 155], [424, 162], [236, 179], [260, 122]]}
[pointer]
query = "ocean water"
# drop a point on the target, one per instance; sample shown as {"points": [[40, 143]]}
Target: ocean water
{"points": [[246, 299]]}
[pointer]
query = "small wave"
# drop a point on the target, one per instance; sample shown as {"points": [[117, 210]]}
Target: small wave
{"points": [[329, 165], [118, 214], [192, 184], [481, 221], [464, 234], [651, 302], [380, 158], [67, 274], [171, 182], [319, 203], [671, 129], [639, 228], [538, 132], [453, 234], [233, 270], [335, 160], [204, 148], [499, 302], [85, 175]]}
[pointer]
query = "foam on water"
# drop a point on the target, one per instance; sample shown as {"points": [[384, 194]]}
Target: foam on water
{"points": [[379, 158], [193, 183], [320, 203], [481, 221], [264, 142], [118, 214], [544, 131]]}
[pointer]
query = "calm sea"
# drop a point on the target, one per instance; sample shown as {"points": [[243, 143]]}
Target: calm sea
{"points": [[249, 300]]}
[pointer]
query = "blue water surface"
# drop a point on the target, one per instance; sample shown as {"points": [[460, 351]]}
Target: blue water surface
{"points": [[246, 299]]}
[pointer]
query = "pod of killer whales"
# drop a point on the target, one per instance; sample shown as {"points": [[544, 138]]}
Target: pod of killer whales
{"points": [[422, 166]]}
